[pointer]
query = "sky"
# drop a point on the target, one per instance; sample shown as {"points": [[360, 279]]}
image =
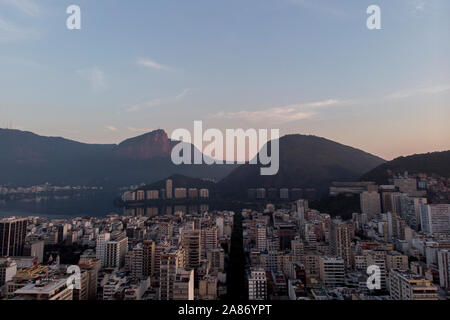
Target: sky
{"points": [[301, 66]]}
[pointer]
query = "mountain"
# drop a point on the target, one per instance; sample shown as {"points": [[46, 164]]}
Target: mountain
{"points": [[305, 162], [28, 159], [147, 146], [430, 163]]}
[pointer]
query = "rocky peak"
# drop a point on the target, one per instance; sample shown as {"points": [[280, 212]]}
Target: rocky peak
{"points": [[147, 146]]}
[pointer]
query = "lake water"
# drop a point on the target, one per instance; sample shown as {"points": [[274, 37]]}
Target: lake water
{"points": [[97, 204]]}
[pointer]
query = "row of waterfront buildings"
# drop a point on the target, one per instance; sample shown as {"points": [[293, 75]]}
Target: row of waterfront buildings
{"points": [[167, 193]]}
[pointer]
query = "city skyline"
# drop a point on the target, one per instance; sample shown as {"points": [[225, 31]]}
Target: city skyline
{"points": [[305, 67], [233, 158]]}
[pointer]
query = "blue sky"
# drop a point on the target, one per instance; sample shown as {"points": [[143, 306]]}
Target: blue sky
{"points": [[303, 66]]}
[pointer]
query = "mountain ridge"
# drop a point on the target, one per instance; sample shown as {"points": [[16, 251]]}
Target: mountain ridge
{"points": [[28, 159], [306, 161], [430, 163]]}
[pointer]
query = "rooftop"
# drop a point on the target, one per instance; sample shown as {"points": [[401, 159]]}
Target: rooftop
{"points": [[42, 287]]}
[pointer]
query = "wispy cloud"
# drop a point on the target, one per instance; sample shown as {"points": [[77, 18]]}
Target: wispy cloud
{"points": [[144, 105], [96, 77], [157, 102], [420, 90], [279, 115], [184, 93], [28, 7], [111, 128], [9, 32], [148, 63], [418, 5]]}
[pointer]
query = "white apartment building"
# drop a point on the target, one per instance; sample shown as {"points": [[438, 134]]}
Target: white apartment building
{"points": [[100, 249], [8, 269], [257, 284], [405, 285], [116, 251], [435, 218], [261, 237], [444, 268]]}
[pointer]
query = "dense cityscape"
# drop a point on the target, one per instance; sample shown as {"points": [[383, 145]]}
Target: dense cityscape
{"points": [[281, 252], [224, 159]]}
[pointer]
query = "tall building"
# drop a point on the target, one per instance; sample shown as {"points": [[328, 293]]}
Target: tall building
{"points": [[340, 241], [169, 189], [216, 260], [378, 258], [115, 252], [204, 193], [63, 231], [193, 193], [8, 269], [180, 193], [395, 260], [12, 236], [406, 184], [152, 194], [298, 249], [405, 285], [444, 268], [208, 288], [91, 267], [191, 244], [410, 209], [140, 195], [388, 201], [302, 207], [100, 249], [35, 249], [332, 271], [261, 237], [435, 218], [257, 284], [81, 293], [183, 286], [148, 258], [286, 233], [168, 268], [134, 262], [209, 239], [370, 204], [220, 223]]}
